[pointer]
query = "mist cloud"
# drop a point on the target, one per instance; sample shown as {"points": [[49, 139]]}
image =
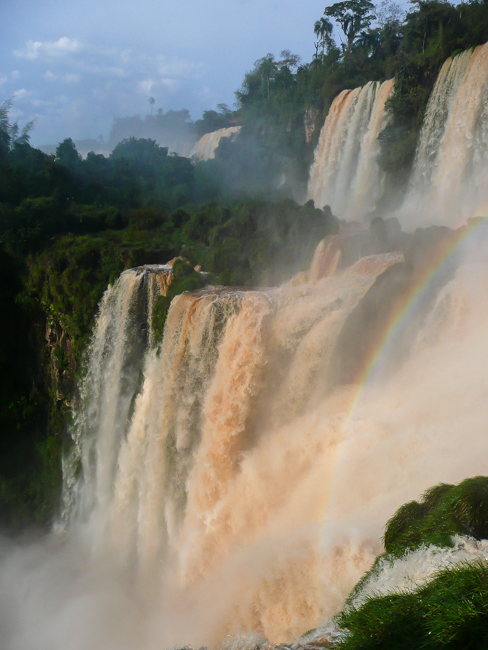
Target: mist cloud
{"points": [[103, 82], [186, 55]]}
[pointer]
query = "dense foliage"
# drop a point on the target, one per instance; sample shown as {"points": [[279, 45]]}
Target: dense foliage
{"points": [[450, 611], [445, 510]]}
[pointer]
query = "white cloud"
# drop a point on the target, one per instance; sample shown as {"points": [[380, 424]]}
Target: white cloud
{"points": [[109, 62], [113, 71], [147, 85], [15, 74], [72, 78], [98, 81], [49, 49], [69, 78], [22, 93], [176, 67], [41, 103], [152, 85], [170, 84]]}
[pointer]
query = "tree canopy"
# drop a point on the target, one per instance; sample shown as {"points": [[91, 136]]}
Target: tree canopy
{"points": [[353, 16]]}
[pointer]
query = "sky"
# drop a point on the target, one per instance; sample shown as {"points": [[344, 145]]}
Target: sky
{"points": [[73, 65]]}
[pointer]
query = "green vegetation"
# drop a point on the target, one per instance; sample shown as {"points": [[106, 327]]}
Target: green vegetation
{"points": [[451, 611], [445, 510]]}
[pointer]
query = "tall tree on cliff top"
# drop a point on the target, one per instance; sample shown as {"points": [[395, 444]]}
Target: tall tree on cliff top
{"points": [[353, 16], [323, 30]]}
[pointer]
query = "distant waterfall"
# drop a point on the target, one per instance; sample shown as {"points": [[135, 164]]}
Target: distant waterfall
{"points": [[208, 143], [449, 180], [345, 174]]}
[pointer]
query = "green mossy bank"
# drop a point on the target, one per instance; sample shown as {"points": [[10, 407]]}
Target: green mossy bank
{"points": [[448, 612]]}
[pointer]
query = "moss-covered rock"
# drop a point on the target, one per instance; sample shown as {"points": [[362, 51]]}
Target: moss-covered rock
{"points": [[443, 511], [451, 610], [450, 613], [185, 278]]}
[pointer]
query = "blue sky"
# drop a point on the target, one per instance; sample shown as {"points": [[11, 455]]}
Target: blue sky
{"points": [[73, 65]]}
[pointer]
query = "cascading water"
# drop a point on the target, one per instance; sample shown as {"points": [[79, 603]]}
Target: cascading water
{"points": [[449, 178], [107, 391], [345, 174], [235, 367], [208, 143], [230, 485]]}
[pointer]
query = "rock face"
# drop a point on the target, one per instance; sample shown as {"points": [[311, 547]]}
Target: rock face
{"points": [[61, 362], [311, 123]]}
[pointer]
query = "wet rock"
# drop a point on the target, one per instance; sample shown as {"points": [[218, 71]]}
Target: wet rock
{"points": [[61, 361], [364, 324], [425, 244], [311, 119], [387, 234]]}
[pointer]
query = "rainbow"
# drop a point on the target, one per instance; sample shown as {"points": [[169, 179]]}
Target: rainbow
{"points": [[391, 330]]}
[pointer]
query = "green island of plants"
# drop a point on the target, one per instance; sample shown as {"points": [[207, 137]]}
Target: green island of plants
{"points": [[451, 610]]}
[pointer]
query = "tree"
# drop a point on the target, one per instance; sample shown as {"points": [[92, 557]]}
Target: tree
{"points": [[267, 68], [323, 30], [142, 151], [67, 155], [152, 101], [389, 12], [370, 41], [433, 27], [10, 134], [257, 82], [289, 60], [223, 109], [353, 16]]}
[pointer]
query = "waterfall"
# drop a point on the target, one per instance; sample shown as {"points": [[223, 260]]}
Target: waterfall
{"points": [[344, 173], [208, 143], [224, 483], [449, 177], [171, 440], [107, 391]]}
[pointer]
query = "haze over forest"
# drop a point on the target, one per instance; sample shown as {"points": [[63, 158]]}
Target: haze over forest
{"points": [[73, 66]]}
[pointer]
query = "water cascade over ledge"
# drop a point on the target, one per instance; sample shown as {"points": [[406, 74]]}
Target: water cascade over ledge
{"points": [[233, 482], [205, 148], [344, 173], [450, 174]]}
